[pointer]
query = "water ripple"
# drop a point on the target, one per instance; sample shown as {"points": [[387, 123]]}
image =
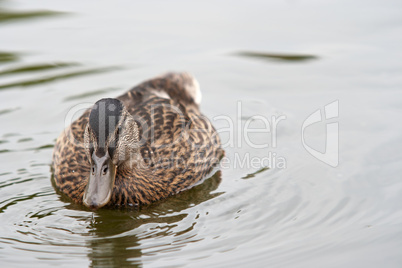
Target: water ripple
{"points": [[52, 78], [11, 16], [284, 57], [6, 57], [36, 68]]}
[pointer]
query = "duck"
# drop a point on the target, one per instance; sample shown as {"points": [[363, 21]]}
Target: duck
{"points": [[147, 144]]}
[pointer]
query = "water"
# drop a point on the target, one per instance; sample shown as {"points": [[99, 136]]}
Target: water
{"points": [[276, 206]]}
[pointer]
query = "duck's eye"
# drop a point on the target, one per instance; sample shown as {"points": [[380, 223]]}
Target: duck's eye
{"points": [[104, 170], [93, 170]]}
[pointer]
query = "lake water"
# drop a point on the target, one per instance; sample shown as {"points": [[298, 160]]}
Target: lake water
{"points": [[331, 197]]}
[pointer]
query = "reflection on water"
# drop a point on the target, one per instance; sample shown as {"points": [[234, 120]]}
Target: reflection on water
{"points": [[304, 215], [5, 111], [277, 56], [12, 15], [8, 57], [253, 174], [89, 93], [36, 67], [119, 252], [116, 239], [52, 78]]}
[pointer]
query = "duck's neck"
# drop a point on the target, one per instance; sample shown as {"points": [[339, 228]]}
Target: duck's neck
{"points": [[132, 162], [127, 151]]}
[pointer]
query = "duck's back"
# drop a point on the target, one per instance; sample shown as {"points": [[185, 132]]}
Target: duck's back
{"points": [[178, 145]]}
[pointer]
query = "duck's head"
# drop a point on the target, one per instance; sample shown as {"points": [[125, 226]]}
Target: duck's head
{"points": [[110, 140]]}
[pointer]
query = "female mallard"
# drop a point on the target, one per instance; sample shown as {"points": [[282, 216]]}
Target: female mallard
{"points": [[148, 144]]}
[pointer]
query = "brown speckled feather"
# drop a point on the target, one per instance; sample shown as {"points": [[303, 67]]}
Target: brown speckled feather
{"points": [[179, 145]]}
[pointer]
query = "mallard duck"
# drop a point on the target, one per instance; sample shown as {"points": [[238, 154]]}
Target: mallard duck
{"points": [[145, 145]]}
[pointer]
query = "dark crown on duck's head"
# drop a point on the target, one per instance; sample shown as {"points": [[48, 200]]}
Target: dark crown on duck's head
{"points": [[103, 121], [111, 130]]}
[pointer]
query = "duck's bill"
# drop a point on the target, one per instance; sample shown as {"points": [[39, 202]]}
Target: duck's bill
{"points": [[101, 182]]}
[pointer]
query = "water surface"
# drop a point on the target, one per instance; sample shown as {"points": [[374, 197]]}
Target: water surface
{"points": [[272, 204]]}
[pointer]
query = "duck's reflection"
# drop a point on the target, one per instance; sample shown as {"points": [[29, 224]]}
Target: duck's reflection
{"points": [[117, 234]]}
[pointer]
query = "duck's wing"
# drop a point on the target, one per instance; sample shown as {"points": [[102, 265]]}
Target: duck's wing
{"points": [[178, 144], [70, 165], [166, 109], [182, 88]]}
